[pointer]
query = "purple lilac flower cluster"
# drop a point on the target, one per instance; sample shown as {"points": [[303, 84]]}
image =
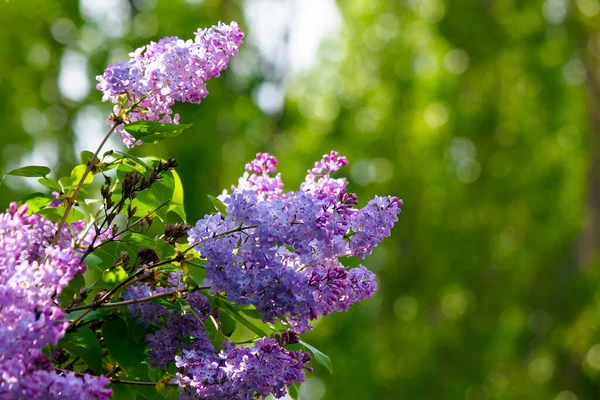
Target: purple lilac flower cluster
{"points": [[32, 275], [243, 373], [234, 372], [159, 74], [176, 330], [280, 251]]}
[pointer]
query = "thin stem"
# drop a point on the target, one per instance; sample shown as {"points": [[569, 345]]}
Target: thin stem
{"points": [[234, 230], [132, 301], [133, 277], [71, 199], [117, 380], [73, 323]]}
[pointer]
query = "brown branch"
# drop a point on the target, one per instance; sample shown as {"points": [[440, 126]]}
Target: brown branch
{"points": [[71, 198], [94, 306]]}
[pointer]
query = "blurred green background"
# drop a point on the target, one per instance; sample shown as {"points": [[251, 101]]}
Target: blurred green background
{"points": [[483, 116]]}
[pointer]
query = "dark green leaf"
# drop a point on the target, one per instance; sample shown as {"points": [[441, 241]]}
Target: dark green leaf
{"points": [[72, 289], [252, 313], [244, 321], [228, 324], [219, 206], [212, 328], [92, 260], [86, 156], [95, 314], [84, 344], [197, 274], [164, 249], [56, 213], [156, 199], [294, 391], [123, 392], [142, 241], [32, 171], [133, 158], [109, 253], [121, 345], [318, 356], [154, 132]]}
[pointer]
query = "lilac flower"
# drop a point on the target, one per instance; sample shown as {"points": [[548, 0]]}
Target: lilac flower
{"points": [[32, 275], [241, 372], [159, 74], [176, 330], [281, 251]]}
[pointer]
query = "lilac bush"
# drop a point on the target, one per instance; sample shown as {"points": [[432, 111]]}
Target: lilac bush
{"points": [[94, 303]]}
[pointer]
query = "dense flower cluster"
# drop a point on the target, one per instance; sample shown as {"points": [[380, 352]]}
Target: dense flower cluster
{"points": [[32, 274], [234, 372], [177, 330], [159, 74], [280, 251], [242, 373]]}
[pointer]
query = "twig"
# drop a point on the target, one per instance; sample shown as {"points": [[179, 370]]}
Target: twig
{"points": [[117, 380], [132, 301], [71, 198]]}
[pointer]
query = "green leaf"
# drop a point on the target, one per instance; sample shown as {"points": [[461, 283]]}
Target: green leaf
{"points": [[219, 206], [32, 171], [133, 158], [252, 313], [72, 289], [95, 314], [176, 204], [318, 356], [86, 156], [36, 201], [212, 328], [164, 249], [123, 392], [294, 391], [56, 213], [140, 240], [84, 344], [50, 184], [241, 319], [154, 200], [228, 324], [109, 252], [92, 260], [154, 132], [121, 345], [77, 174], [197, 274], [116, 275], [66, 183]]}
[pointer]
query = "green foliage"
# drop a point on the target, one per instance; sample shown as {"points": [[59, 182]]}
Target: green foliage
{"points": [[154, 132], [319, 356], [218, 204], [124, 343], [84, 344], [56, 214]]}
